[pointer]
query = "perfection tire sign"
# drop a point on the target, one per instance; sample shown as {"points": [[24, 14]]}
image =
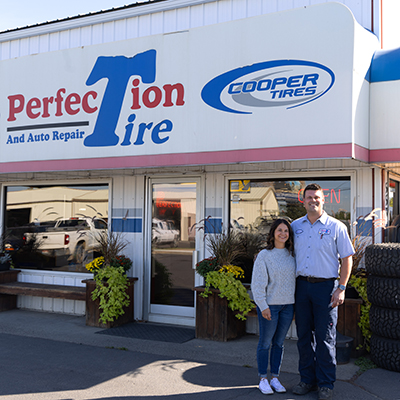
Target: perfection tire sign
{"points": [[204, 95]]}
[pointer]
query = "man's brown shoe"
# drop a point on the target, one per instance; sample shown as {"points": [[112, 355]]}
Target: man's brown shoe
{"points": [[325, 393], [303, 388]]}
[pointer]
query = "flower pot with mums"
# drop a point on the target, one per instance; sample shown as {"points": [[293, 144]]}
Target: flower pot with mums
{"points": [[109, 296], [222, 304]]}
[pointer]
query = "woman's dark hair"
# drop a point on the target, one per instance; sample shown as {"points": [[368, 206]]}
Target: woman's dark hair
{"points": [[271, 235]]}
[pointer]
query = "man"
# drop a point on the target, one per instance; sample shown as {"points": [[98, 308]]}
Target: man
{"points": [[319, 242]]}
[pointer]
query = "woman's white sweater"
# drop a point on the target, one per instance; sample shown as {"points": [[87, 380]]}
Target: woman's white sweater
{"points": [[274, 278]]}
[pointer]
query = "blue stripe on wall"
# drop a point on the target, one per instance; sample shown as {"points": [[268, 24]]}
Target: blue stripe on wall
{"points": [[213, 225], [131, 225], [364, 228]]}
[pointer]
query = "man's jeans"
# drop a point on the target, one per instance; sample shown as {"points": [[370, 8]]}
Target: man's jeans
{"points": [[272, 335], [316, 332]]}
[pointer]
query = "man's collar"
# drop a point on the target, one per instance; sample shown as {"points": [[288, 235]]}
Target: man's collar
{"points": [[323, 218]]}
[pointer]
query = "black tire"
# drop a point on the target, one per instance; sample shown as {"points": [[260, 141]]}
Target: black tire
{"points": [[384, 292], [385, 322], [80, 253], [385, 353], [383, 259]]}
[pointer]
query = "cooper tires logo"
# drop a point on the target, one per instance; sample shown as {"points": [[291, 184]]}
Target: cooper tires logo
{"points": [[278, 83]]}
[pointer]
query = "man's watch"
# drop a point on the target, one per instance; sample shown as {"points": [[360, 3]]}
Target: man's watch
{"points": [[342, 287]]}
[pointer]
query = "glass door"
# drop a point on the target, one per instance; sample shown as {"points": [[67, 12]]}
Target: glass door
{"points": [[174, 211]]}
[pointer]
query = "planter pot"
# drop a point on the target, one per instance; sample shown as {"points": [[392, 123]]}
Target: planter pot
{"points": [[4, 266], [8, 301], [348, 319], [93, 310], [214, 319]]}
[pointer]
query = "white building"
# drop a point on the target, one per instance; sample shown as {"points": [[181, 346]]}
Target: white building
{"points": [[174, 111]]}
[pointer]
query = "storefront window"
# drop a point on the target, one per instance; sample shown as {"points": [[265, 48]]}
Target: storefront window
{"points": [[392, 231], [54, 227], [256, 203]]}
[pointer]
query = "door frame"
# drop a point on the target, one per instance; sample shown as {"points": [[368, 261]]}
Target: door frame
{"points": [[177, 315]]}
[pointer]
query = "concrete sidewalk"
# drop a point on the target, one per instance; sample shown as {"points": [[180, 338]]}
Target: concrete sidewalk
{"points": [[53, 356]]}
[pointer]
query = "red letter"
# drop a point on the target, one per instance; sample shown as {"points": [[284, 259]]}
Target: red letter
{"points": [[85, 103], [180, 92], [13, 108], [33, 103], [135, 97], [72, 99], [298, 196], [46, 102], [333, 193], [157, 97], [59, 100]]}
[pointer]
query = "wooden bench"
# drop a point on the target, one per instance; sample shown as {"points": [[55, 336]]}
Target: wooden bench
{"points": [[10, 288], [43, 290]]}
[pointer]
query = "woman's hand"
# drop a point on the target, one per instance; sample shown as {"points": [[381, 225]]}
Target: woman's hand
{"points": [[267, 314]]}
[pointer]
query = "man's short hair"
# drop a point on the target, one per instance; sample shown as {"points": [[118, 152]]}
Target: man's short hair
{"points": [[312, 186]]}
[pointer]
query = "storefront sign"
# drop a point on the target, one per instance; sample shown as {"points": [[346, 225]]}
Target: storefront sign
{"points": [[228, 92]]}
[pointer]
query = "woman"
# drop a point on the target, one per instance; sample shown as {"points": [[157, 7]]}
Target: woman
{"points": [[273, 285]]}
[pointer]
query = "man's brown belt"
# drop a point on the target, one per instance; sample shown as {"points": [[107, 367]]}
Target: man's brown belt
{"points": [[313, 279]]}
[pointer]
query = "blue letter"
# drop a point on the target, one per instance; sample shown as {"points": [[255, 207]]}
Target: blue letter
{"points": [[232, 89], [118, 70], [155, 134]]}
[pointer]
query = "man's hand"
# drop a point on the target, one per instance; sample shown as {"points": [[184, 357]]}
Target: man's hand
{"points": [[338, 295], [337, 298], [267, 314]]}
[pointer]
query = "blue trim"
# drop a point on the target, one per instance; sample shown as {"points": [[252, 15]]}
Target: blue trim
{"points": [[213, 225], [385, 66], [364, 228], [131, 225]]}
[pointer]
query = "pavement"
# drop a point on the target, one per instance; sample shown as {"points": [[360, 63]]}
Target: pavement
{"points": [[50, 356]]}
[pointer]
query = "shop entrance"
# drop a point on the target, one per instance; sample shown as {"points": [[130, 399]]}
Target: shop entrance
{"points": [[174, 211]]}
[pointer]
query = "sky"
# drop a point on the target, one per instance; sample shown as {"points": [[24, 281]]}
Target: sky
{"points": [[19, 13]]}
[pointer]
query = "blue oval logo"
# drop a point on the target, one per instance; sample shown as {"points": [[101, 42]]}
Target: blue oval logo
{"points": [[278, 83]]}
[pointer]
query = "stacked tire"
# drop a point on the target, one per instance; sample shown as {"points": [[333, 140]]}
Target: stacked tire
{"points": [[382, 262]]}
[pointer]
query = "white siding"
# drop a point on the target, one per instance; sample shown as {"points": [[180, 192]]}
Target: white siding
{"points": [[152, 19], [62, 306], [128, 197]]}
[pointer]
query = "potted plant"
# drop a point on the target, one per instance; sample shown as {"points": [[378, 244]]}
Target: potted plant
{"points": [[223, 303], [109, 295]]}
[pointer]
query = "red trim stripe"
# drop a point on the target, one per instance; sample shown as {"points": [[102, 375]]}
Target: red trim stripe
{"points": [[384, 155], [316, 152]]}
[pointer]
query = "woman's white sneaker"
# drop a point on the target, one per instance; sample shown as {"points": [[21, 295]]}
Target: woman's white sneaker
{"points": [[264, 386], [277, 386]]}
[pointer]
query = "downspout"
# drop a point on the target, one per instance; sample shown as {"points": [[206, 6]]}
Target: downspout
{"points": [[380, 16], [373, 204], [384, 186]]}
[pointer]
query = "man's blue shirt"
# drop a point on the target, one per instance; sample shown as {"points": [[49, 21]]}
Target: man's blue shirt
{"points": [[318, 246]]}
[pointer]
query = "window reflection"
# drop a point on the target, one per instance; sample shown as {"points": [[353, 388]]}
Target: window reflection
{"points": [[54, 227], [172, 244], [255, 204], [392, 231]]}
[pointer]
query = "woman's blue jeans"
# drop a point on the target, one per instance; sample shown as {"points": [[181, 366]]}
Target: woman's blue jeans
{"points": [[272, 336]]}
